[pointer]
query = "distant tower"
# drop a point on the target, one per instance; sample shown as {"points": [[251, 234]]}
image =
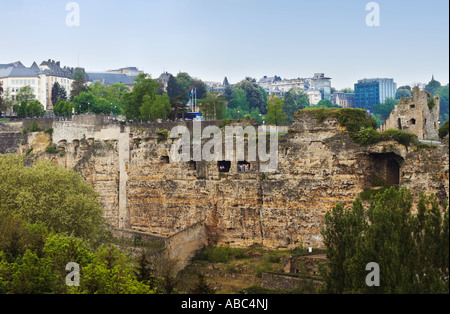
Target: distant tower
{"points": [[225, 82]]}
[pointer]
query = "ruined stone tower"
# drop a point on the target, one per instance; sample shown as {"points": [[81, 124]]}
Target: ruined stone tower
{"points": [[418, 115]]}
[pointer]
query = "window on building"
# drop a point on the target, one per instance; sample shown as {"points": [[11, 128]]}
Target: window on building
{"points": [[243, 167], [165, 160], [224, 166], [412, 121], [192, 165]]}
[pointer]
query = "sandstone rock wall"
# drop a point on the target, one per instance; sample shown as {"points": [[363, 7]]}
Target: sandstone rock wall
{"points": [[143, 189]]}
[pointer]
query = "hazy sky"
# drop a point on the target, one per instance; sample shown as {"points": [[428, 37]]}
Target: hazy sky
{"points": [[211, 39]]}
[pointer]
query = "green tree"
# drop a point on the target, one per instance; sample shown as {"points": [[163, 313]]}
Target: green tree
{"points": [[64, 108], [111, 96], [239, 100], [382, 111], [54, 196], [178, 108], [275, 114], [325, 103], [111, 272], [200, 87], [173, 90], [79, 84], [184, 82], [444, 104], [84, 102], [145, 271], [35, 109], [6, 103], [22, 109], [406, 87], [410, 249], [25, 94], [58, 93], [33, 275], [294, 100], [157, 108], [202, 287], [213, 107], [256, 96], [432, 86], [404, 93], [144, 86]]}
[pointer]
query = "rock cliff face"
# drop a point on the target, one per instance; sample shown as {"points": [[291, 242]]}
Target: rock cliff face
{"points": [[142, 188], [10, 135]]}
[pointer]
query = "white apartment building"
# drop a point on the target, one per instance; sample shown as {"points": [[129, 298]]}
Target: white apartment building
{"points": [[318, 83], [41, 79], [287, 85], [314, 96], [14, 76]]}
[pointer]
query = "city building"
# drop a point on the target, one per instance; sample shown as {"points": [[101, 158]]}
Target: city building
{"points": [[54, 73], [41, 79], [344, 100], [286, 85], [319, 82], [267, 82], [130, 71], [15, 76], [217, 87], [323, 84], [110, 78], [369, 92], [164, 79], [314, 96]]}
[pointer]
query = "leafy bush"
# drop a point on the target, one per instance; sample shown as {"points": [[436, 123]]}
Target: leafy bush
{"points": [[52, 195], [369, 193], [352, 119], [360, 126], [402, 137], [431, 104], [215, 254], [51, 149], [409, 243], [49, 131], [33, 127], [367, 136]]}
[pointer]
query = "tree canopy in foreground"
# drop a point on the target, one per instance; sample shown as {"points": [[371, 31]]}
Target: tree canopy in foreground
{"points": [[410, 247]]}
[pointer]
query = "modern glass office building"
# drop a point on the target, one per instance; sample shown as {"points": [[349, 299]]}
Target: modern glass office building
{"points": [[369, 92]]}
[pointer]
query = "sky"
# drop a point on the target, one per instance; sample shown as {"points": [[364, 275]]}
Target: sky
{"points": [[211, 39]]}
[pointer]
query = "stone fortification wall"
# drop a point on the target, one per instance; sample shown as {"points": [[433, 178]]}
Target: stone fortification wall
{"points": [[143, 189], [418, 115]]}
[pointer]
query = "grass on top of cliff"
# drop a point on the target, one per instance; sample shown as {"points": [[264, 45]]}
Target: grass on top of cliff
{"points": [[361, 127]]}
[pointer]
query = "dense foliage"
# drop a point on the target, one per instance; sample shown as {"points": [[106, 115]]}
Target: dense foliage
{"points": [[412, 250], [443, 130], [56, 197], [50, 217]]}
